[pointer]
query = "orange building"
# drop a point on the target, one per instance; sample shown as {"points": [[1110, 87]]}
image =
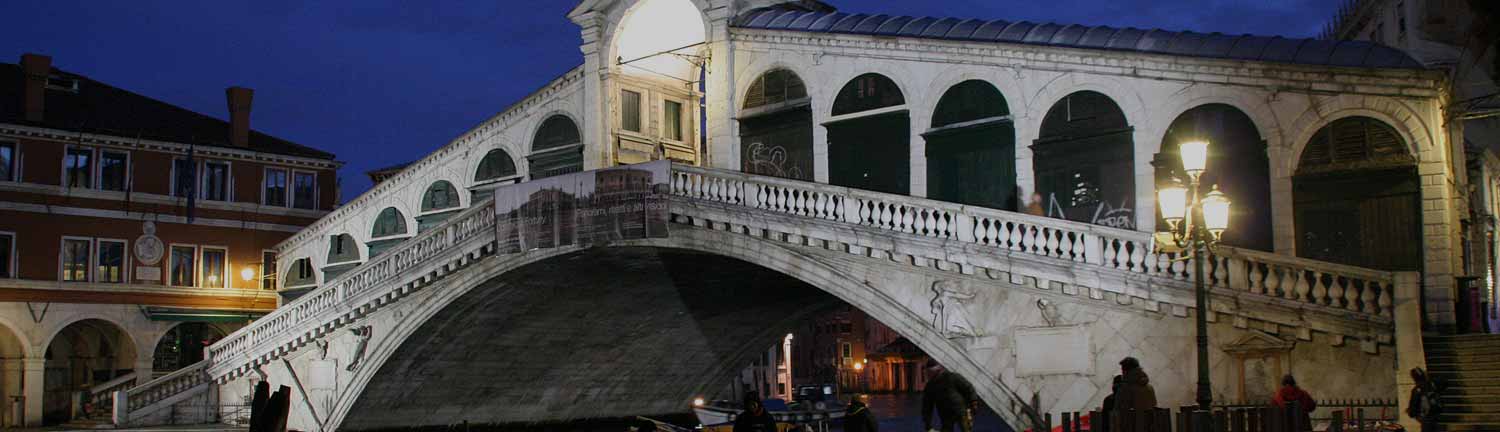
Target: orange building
{"points": [[122, 217]]}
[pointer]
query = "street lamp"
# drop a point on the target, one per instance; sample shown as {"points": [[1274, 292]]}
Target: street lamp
{"points": [[1182, 206]]}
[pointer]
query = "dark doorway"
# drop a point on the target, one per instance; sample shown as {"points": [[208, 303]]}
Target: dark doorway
{"points": [[1357, 197], [870, 152], [1237, 164], [183, 345], [1083, 161], [971, 148], [776, 136]]}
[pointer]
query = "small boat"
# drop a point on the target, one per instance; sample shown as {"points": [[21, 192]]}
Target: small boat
{"points": [[719, 416]]}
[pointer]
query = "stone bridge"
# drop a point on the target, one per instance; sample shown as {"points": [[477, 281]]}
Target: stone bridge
{"points": [[441, 329]]}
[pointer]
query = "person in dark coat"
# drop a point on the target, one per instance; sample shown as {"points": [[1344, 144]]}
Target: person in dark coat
{"points": [[1108, 406], [1290, 393], [1425, 405], [858, 417], [1135, 393], [953, 398], [754, 418]]}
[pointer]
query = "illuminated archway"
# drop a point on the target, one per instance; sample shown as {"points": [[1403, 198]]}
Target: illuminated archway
{"points": [[660, 38]]}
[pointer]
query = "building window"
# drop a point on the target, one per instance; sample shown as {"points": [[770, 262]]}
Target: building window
{"points": [[1400, 20], [672, 120], [214, 267], [304, 190], [274, 191], [75, 259], [182, 178], [7, 255], [79, 165], [114, 170], [268, 270], [184, 265], [630, 110], [216, 181], [8, 162], [111, 261], [848, 350]]}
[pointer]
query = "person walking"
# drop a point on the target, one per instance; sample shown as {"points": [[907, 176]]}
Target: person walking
{"points": [[1290, 394], [754, 418], [953, 398], [858, 417], [1135, 397], [1426, 404]]}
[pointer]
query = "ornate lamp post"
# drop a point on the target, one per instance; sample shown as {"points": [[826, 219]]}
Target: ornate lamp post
{"points": [[1182, 207]]}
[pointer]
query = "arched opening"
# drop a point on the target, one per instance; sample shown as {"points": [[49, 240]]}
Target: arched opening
{"points": [[776, 136], [343, 255], [494, 169], [183, 345], [439, 201], [82, 355], [300, 275], [556, 149], [672, 325], [1237, 164], [389, 230], [660, 39], [1357, 197], [1083, 159], [971, 148], [656, 83], [869, 136]]}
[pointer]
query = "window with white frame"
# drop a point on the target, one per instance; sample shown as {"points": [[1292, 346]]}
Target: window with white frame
{"points": [[268, 270], [78, 168], [7, 255], [274, 192], [9, 168], [183, 265], [110, 261], [216, 181], [304, 190], [75, 259], [671, 114], [114, 170], [214, 261], [183, 175]]}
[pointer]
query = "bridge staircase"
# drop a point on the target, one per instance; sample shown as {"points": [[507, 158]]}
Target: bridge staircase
{"points": [[1468, 369], [1251, 289]]}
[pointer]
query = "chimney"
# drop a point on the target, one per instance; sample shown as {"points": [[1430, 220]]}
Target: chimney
{"points": [[35, 69], [239, 115]]}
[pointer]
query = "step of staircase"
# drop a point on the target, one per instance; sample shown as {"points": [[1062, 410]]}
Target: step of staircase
{"points": [[1468, 367], [1472, 427], [1468, 407]]}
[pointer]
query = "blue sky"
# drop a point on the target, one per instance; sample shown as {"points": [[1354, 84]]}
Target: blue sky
{"points": [[380, 82]]}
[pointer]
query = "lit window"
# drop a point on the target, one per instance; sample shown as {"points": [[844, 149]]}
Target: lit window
{"points": [[8, 162], [213, 268], [672, 120], [304, 190], [111, 261], [182, 178], [216, 181], [79, 164], [75, 260], [183, 264], [268, 270], [114, 169], [274, 192], [630, 110]]}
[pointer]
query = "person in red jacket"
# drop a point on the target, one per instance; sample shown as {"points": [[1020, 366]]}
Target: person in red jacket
{"points": [[1290, 393]]}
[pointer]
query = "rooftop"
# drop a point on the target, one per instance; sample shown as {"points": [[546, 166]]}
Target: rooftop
{"points": [[100, 108], [1276, 49]]}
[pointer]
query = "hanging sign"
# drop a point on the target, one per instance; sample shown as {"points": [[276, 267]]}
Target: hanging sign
{"points": [[586, 208]]}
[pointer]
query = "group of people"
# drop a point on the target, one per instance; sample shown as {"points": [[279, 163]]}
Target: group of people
{"points": [[948, 394]]}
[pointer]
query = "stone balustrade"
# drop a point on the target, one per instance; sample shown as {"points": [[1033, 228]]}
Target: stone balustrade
{"points": [[158, 390]]}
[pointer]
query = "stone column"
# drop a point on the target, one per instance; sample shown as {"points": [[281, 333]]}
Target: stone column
{"points": [[32, 385], [143, 369], [1409, 351]]}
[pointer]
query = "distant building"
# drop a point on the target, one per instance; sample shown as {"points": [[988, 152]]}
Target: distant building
{"points": [[133, 232]]}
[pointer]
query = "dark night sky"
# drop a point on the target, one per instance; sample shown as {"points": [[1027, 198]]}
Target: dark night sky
{"points": [[379, 82]]}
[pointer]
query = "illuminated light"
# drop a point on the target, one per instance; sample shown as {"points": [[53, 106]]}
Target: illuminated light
{"points": [[859, 366], [1216, 212], [1194, 156], [698, 402], [213, 279], [247, 274], [654, 27], [1173, 201]]}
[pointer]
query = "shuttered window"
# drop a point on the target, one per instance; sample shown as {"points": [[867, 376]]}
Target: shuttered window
{"points": [[630, 110]]}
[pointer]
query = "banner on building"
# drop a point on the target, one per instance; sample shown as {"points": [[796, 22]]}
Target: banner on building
{"points": [[586, 208]]}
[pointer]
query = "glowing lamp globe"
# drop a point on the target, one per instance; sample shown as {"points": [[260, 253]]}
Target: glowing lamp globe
{"points": [[1194, 156], [247, 274], [1216, 212], [1173, 201]]}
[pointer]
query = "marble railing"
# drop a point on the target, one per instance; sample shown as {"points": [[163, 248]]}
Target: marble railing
{"points": [[158, 390], [102, 394], [1316, 284], [411, 262]]}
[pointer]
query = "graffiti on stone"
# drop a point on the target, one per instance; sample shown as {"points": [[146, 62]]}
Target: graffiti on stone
{"points": [[771, 160], [1122, 217]]}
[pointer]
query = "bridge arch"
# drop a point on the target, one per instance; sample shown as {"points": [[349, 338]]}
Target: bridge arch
{"points": [[821, 276]]}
